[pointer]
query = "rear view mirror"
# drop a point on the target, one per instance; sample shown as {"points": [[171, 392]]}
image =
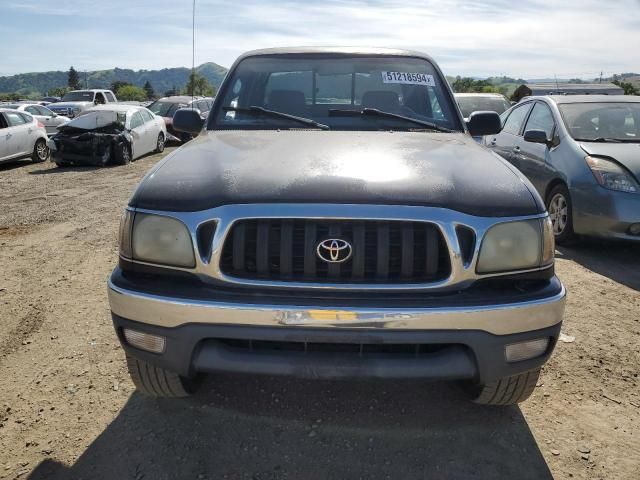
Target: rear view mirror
{"points": [[484, 123], [536, 136], [187, 120]]}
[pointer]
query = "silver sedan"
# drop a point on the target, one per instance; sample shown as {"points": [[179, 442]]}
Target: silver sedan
{"points": [[21, 135], [49, 119]]}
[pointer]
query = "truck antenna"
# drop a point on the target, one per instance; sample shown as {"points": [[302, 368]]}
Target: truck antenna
{"points": [[193, 52]]}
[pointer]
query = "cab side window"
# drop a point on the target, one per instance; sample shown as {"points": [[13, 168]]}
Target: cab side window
{"points": [[110, 97], [541, 118], [100, 98], [514, 121]]}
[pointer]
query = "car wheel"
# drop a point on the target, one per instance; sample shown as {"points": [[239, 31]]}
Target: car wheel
{"points": [[122, 153], [559, 208], [160, 143], [505, 391], [158, 382], [40, 151]]}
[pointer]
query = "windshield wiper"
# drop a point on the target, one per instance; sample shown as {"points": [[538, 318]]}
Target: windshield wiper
{"points": [[600, 140], [381, 113], [263, 111]]}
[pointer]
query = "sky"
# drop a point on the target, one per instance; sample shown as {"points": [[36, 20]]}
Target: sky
{"points": [[521, 38]]}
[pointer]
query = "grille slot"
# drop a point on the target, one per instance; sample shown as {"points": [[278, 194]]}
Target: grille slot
{"points": [[382, 251]]}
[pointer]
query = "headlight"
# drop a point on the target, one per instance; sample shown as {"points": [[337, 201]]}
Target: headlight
{"points": [[611, 175], [518, 245], [159, 239]]}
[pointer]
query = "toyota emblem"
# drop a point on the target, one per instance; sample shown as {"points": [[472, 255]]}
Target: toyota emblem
{"points": [[334, 250]]}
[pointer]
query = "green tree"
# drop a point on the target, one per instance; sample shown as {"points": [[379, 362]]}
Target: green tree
{"points": [[130, 92], [149, 90], [116, 84], [198, 85], [629, 88], [58, 91], [73, 79]]}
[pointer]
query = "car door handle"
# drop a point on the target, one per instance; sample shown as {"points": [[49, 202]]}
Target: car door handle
{"points": [[9, 136], [493, 142], [516, 149]]}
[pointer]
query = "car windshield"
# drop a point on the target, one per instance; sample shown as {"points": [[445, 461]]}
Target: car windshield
{"points": [[470, 104], [78, 97], [165, 109], [339, 92], [606, 121]]}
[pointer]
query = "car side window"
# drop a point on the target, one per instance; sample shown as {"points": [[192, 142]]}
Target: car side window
{"points": [[32, 110], [136, 120], [3, 122], [147, 117], [110, 96], [541, 118], [515, 120], [45, 111], [15, 119]]}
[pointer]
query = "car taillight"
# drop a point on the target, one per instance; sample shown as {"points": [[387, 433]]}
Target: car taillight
{"points": [[40, 125]]}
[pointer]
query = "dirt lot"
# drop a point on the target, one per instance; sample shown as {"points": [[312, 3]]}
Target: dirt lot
{"points": [[69, 410]]}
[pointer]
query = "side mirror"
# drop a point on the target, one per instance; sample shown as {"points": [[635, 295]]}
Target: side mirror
{"points": [[536, 136], [95, 102], [187, 120], [484, 123], [54, 114]]}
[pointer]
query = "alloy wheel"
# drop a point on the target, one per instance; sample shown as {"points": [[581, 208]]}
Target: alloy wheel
{"points": [[42, 151], [558, 212]]}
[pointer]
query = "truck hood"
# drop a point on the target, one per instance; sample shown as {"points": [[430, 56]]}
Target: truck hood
{"points": [[628, 154], [70, 105], [397, 168]]}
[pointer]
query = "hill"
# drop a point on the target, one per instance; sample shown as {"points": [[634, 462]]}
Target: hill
{"points": [[33, 84]]}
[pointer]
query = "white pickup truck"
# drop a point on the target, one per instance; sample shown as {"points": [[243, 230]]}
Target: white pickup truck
{"points": [[76, 101]]}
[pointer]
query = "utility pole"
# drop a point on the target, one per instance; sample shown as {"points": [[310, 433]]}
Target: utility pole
{"points": [[601, 77], [86, 84]]}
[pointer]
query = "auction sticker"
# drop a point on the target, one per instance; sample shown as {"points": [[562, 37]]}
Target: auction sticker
{"points": [[408, 78]]}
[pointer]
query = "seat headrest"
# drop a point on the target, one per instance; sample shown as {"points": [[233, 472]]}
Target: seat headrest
{"points": [[287, 101], [385, 100]]}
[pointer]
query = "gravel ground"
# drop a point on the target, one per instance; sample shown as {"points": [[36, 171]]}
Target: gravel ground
{"points": [[69, 411]]}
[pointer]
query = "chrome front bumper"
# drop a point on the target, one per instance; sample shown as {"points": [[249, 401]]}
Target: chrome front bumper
{"points": [[498, 319]]}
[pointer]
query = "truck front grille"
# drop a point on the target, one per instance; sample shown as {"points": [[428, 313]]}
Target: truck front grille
{"points": [[381, 251]]}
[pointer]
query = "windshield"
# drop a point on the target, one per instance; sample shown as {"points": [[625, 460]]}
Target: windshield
{"points": [[470, 104], [321, 88], [78, 97], [165, 109], [607, 121]]}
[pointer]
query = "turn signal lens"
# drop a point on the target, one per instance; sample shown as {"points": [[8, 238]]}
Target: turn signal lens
{"points": [[548, 241], [124, 236]]}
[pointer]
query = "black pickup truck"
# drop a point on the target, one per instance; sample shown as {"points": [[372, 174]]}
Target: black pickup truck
{"points": [[336, 219]]}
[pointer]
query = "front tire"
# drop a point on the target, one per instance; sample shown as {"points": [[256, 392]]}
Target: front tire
{"points": [[506, 391], [40, 151], [122, 153], [160, 143], [560, 210], [157, 382]]}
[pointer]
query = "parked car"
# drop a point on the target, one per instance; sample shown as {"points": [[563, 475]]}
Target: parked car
{"points": [[485, 102], [48, 100], [78, 101], [21, 135], [49, 119], [346, 230], [166, 107], [108, 134], [582, 154]]}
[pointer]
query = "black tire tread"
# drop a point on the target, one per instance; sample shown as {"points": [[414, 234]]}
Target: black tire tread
{"points": [[508, 390], [155, 381]]}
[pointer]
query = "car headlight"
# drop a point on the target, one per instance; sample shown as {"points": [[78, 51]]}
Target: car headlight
{"points": [[611, 175], [156, 239], [517, 245]]}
